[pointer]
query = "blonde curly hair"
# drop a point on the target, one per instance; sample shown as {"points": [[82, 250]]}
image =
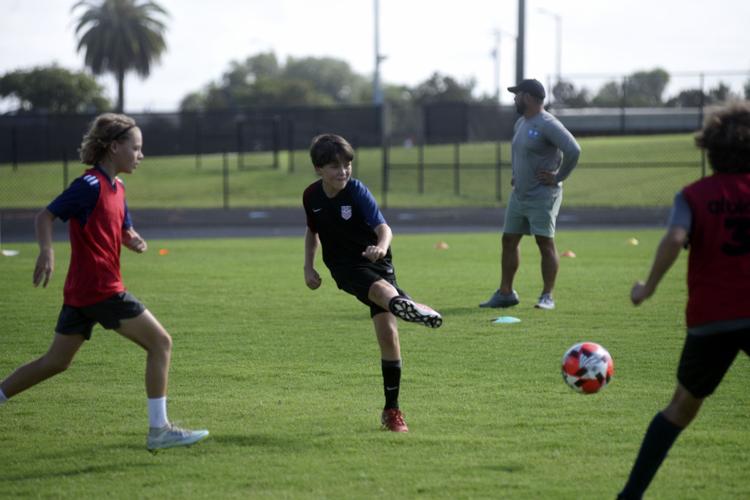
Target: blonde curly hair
{"points": [[104, 130]]}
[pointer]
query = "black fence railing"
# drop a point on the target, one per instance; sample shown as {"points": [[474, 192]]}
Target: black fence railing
{"points": [[443, 153]]}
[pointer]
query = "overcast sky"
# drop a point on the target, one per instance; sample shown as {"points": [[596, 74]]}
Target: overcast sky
{"points": [[419, 37]]}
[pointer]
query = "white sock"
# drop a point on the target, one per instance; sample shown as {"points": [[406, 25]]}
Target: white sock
{"points": [[157, 412], [3, 397]]}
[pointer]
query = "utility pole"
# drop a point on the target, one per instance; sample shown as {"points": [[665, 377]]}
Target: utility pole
{"points": [[558, 37], [498, 34], [496, 60], [377, 91], [521, 40]]}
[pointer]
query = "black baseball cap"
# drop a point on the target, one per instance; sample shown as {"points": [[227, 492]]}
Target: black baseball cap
{"points": [[530, 86]]}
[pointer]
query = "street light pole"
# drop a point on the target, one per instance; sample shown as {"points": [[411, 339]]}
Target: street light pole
{"points": [[377, 91], [558, 36], [521, 40], [498, 34], [496, 61]]}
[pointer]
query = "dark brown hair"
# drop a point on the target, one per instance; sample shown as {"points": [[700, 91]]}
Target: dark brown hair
{"points": [[104, 130], [726, 138], [329, 148]]}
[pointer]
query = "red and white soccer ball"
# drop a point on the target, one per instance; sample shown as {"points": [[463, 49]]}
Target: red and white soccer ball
{"points": [[587, 367]]}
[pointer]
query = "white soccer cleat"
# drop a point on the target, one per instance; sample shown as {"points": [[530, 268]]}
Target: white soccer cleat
{"points": [[171, 436]]}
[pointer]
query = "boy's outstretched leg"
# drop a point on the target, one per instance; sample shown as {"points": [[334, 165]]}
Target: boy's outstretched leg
{"points": [[388, 297], [56, 360], [146, 331], [414, 312]]}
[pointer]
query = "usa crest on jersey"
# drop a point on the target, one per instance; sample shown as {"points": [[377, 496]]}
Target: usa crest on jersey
{"points": [[346, 212]]}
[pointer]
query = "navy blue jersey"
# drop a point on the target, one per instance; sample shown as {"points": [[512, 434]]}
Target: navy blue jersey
{"points": [[80, 198], [345, 223]]}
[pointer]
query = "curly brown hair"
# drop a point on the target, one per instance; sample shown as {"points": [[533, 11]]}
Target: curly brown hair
{"points": [[104, 130], [726, 138]]}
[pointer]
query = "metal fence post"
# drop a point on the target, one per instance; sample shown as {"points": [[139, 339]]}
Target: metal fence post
{"points": [[14, 148], [355, 161], [65, 169], [240, 146], [700, 123], [275, 138], [384, 200], [498, 172], [456, 170], [420, 167], [702, 102], [225, 177], [623, 103], [198, 139], [291, 146]]}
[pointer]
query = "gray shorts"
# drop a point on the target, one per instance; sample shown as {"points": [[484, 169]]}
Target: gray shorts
{"points": [[534, 216]]}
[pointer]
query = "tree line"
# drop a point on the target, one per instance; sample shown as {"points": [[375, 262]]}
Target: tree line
{"points": [[122, 36], [642, 89], [261, 80]]}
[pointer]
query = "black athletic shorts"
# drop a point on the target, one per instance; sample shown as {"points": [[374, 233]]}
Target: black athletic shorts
{"points": [[706, 358], [357, 280], [108, 313]]}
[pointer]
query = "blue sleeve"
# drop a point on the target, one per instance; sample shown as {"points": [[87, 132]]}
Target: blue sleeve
{"points": [[681, 215], [78, 200], [127, 222], [366, 203]]}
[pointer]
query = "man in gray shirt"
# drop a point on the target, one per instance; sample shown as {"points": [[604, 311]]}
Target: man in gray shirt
{"points": [[544, 153]]}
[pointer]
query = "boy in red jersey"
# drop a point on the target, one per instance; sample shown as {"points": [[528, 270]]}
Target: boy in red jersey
{"points": [[343, 217], [712, 216], [99, 224]]}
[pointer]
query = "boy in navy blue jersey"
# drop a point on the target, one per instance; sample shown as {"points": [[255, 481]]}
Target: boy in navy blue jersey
{"points": [[344, 218]]}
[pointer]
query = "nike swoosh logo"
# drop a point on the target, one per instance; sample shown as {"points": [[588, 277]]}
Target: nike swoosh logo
{"points": [[316, 210], [391, 388]]}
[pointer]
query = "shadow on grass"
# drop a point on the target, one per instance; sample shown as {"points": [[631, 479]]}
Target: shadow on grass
{"points": [[258, 441], [502, 468], [470, 310], [80, 471]]}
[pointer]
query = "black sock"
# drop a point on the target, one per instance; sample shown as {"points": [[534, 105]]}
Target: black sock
{"points": [[659, 438], [391, 381]]}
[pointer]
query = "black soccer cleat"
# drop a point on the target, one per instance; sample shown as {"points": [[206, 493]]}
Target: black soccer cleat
{"points": [[411, 311]]}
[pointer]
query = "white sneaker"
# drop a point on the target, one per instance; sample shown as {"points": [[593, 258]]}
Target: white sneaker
{"points": [[170, 436], [545, 302]]}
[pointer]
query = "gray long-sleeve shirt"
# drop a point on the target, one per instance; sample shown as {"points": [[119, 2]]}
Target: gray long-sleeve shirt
{"points": [[541, 143]]}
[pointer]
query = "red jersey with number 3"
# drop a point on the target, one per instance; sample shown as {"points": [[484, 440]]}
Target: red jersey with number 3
{"points": [[719, 262], [94, 272]]}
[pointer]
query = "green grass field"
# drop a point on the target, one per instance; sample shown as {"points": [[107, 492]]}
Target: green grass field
{"points": [[613, 171], [288, 381]]}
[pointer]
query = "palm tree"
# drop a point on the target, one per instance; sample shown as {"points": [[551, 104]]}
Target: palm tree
{"points": [[119, 36]]}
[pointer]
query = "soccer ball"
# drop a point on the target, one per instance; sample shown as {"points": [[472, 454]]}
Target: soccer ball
{"points": [[587, 367]]}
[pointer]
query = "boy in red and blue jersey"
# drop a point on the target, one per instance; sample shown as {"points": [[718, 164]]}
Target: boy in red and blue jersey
{"points": [[343, 217], [711, 217], [99, 224]]}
